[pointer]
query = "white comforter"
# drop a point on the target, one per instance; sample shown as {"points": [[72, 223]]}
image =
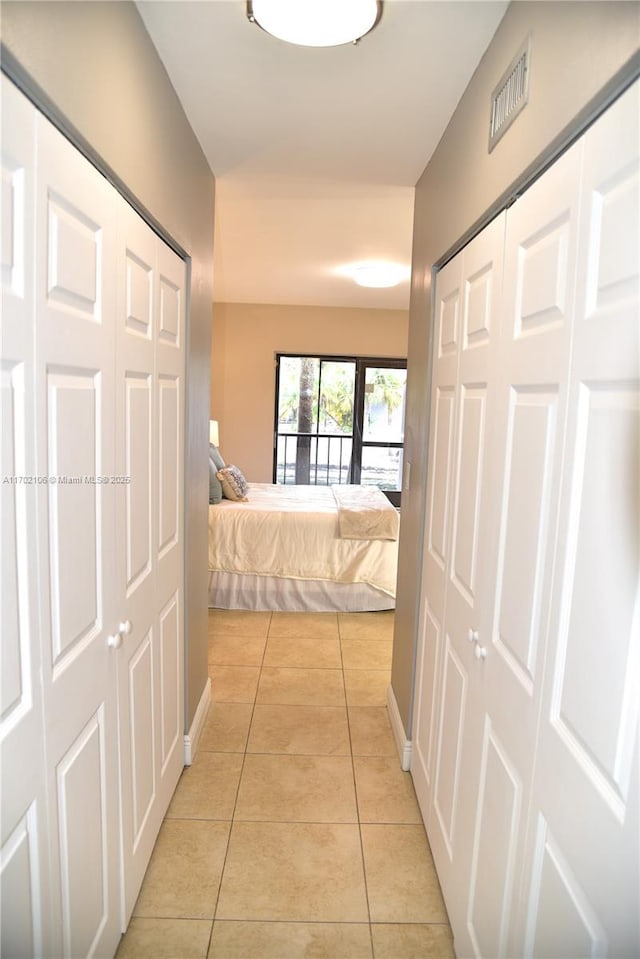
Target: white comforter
{"points": [[293, 531]]}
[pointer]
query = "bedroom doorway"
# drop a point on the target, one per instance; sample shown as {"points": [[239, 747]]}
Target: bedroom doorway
{"points": [[339, 419]]}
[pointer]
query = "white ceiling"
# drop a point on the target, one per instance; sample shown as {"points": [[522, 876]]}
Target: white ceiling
{"points": [[316, 151]]}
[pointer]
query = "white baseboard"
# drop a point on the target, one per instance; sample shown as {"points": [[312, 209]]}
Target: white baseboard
{"points": [[403, 745], [192, 738]]}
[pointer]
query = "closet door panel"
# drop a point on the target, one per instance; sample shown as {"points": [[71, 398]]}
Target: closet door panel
{"points": [[169, 401], [468, 487], [565, 922], [73, 456], [429, 673], [498, 821], [444, 416], [14, 506], [136, 458], [589, 722], [530, 387], [607, 470], [171, 721], [454, 743], [448, 330], [24, 861], [472, 552], [531, 443], [22, 887], [83, 823], [447, 333], [138, 477], [141, 703], [531, 401], [75, 304], [450, 752], [170, 398]]}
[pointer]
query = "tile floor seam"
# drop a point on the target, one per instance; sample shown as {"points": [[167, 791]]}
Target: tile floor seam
{"points": [[235, 801], [355, 789]]}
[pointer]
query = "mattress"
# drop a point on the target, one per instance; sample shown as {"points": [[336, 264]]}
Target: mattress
{"points": [[293, 533]]}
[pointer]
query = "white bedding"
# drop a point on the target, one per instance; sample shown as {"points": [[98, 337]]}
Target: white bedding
{"points": [[364, 512], [293, 532], [278, 594]]}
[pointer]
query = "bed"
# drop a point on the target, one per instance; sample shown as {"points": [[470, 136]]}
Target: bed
{"points": [[304, 548]]}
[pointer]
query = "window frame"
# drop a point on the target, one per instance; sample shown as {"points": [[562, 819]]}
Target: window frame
{"points": [[361, 363]]}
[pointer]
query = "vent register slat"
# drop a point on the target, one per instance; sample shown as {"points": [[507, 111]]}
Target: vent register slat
{"points": [[510, 95]]}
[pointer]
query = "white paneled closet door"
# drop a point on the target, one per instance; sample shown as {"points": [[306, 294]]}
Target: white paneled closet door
{"points": [[92, 365], [24, 858], [149, 457], [136, 460], [448, 297], [525, 737], [529, 389], [581, 883], [460, 547], [74, 426], [170, 402]]}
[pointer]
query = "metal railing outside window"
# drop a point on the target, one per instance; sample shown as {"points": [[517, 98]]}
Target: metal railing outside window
{"points": [[339, 420]]}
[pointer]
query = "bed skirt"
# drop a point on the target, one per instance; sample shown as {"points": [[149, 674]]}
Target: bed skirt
{"points": [[275, 594]]}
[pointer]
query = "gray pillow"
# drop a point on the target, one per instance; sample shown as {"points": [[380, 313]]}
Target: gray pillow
{"points": [[215, 486], [215, 455]]}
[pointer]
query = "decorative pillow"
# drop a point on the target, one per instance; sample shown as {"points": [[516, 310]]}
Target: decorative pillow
{"points": [[215, 486], [216, 456], [234, 485]]}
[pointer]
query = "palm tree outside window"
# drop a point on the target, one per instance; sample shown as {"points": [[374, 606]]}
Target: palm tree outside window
{"points": [[340, 419]]}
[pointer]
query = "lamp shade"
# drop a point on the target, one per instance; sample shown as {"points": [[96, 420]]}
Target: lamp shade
{"points": [[214, 434], [315, 23]]}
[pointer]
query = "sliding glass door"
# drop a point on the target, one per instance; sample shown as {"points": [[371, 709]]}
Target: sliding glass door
{"points": [[339, 420]]}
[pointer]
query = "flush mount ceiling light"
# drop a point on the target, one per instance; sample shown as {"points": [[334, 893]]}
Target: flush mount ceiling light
{"points": [[378, 273], [315, 23]]}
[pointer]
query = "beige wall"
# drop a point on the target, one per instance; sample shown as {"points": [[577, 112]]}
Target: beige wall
{"points": [[246, 338], [577, 48], [98, 67]]}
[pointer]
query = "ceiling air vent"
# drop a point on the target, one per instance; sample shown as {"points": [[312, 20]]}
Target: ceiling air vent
{"points": [[511, 94]]}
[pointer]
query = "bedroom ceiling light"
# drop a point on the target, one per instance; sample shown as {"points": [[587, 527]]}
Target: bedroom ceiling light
{"points": [[378, 273], [315, 23]]}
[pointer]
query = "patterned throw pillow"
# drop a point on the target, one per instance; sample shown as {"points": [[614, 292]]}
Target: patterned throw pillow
{"points": [[234, 485]]}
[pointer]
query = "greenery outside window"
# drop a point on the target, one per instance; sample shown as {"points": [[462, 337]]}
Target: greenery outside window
{"points": [[340, 419]]}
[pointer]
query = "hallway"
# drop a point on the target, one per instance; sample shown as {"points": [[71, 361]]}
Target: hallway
{"points": [[295, 833]]}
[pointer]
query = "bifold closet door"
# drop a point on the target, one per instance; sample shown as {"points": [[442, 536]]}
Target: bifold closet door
{"points": [[24, 857], [92, 367], [525, 762], [447, 308], [170, 400], [74, 429], [525, 452], [149, 459], [460, 543], [581, 883]]}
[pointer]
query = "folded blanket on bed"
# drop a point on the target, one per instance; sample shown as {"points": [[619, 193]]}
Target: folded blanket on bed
{"points": [[364, 512]]}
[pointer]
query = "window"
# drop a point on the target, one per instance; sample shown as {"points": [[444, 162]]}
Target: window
{"points": [[340, 420]]}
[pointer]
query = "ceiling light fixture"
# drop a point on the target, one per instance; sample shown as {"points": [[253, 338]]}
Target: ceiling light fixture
{"points": [[378, 273], [316, 23]]}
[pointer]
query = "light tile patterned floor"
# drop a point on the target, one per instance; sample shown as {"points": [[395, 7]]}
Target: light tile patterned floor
{"points": [[294, 833]]}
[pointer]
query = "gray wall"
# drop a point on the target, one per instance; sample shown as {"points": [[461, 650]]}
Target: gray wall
{"points": [[98, 66], [577, 48]]}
